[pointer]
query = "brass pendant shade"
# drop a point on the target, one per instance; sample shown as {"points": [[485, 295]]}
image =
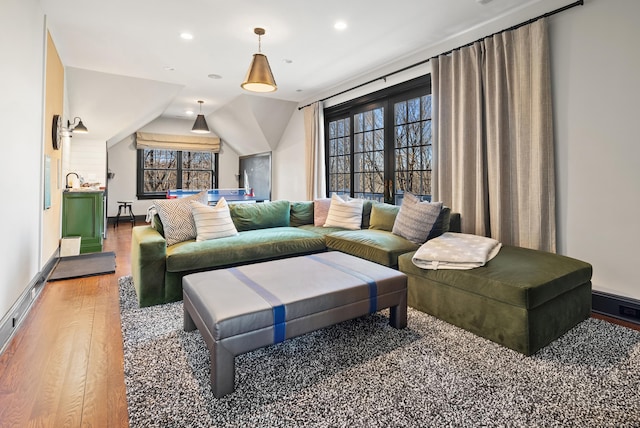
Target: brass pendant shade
{"points": [[200, 125], [259, 78]]}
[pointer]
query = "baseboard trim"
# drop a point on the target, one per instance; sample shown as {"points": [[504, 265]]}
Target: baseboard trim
{"points": [[622, 308], [18, 312]]}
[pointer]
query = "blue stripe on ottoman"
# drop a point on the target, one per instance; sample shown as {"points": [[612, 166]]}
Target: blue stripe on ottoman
{"points": [[279, 319]]}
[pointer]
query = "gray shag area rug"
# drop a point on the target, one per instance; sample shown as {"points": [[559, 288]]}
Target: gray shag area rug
{"points": [[364, 373]]}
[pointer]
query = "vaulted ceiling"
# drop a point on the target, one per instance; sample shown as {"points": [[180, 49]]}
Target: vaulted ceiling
{"points": [[127, 64]]}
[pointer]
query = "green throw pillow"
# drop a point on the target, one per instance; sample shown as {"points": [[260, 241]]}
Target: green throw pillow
{"points": [[383, 216]]}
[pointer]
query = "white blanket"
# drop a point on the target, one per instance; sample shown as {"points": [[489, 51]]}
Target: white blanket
{"points": [[456, 251]]}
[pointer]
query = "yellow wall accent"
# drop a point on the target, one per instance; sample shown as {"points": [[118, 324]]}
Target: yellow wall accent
{"points": [[54, 102]]}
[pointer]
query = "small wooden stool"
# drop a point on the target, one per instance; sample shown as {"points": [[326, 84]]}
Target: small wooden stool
{"points": [[123, 208]]}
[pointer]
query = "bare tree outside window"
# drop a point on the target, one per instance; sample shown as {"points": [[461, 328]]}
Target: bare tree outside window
{"points": [[368, 166], [413, 146], [380, 148], [160, 170]]}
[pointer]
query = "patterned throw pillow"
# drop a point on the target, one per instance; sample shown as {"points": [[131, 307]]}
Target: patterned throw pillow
{"points": [[176, 217], [212, 222], [416, 219], [344, 213]]}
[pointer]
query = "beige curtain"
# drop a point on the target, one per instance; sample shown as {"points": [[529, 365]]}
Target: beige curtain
{"points": [[494, 131], [147, 140], [314, 151], [460, 166]]}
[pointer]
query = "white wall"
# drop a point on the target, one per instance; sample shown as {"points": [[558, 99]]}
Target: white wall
{"points": [[595, 59], [288, 162], [122, 162], [22, 43], [595, 63], [88, 159]]}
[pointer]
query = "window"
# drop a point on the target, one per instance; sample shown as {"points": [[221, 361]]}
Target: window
{"points": [[160, 170], [379, 146]]}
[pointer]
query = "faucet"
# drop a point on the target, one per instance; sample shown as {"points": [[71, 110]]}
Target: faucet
{"points": [[66, 179]]}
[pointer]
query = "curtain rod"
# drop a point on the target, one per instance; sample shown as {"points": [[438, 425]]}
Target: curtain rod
{"points": [[522, 24]]}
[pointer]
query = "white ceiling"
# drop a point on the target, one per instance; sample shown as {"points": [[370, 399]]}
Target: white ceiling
{"points": [[141, 38]]}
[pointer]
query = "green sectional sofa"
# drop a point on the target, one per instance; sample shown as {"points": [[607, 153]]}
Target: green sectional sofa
{"points": [[522, 299], [266, 231]]}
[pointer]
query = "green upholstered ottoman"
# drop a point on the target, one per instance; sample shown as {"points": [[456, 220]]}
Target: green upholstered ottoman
{"points": [[523, 299]]}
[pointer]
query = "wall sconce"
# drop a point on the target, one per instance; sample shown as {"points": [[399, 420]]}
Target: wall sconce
{"points": [[78, 128]]}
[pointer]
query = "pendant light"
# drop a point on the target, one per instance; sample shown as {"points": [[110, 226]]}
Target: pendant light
{"points": [[259, 78], [200, 125]]}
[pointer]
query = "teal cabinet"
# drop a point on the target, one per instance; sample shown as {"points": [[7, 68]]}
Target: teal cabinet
{"points": [[82, 215]]}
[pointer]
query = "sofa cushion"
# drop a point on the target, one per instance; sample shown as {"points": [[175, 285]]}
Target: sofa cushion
{"points": [[383, 216], [212, 222], [346, 213], [320, 230], [260, 215], [517, 276], [442, 223], [367, 206], [247, 247], [416, 219], [177, 219], [301, 213], [157, 224], [376, 245]]}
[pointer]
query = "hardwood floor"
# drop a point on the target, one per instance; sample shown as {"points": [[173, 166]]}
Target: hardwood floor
{"points": [[64, 367]]}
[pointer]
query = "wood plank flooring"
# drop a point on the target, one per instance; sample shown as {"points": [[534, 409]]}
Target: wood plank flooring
{"points": [[64, 367]]}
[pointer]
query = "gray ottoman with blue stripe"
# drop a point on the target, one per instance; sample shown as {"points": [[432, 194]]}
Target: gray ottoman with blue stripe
{"points": [[248, 307]]}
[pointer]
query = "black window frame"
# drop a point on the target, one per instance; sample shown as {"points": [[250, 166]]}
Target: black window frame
{"points": [[141, 194], [385, 98]]}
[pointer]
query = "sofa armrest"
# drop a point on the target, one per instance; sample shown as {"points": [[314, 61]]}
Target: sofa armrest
{"points": [[148, 264]]}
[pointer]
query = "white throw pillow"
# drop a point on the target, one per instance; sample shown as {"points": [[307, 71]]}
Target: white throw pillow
{"points": [[176, 217], [213, 222], [344, 213], [416, 219]]}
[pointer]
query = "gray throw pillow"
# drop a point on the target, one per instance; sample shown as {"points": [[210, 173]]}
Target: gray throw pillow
{"points": [[416, 219]]}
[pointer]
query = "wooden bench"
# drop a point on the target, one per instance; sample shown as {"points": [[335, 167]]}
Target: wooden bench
{"points": [[244, 308]]}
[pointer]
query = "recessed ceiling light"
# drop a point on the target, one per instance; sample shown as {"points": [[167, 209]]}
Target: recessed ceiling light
{"points": [[214, 76], [340, 25], [189, 112], [287, 61], [186, 36], [169, 68]]}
